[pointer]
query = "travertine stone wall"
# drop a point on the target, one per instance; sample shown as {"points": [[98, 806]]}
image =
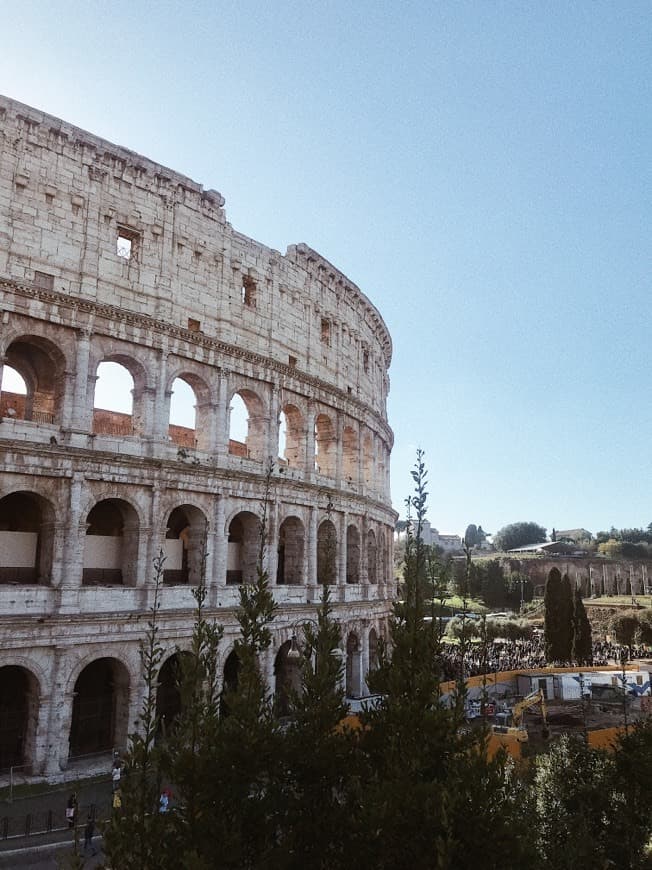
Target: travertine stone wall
{"points": [[195, 300]]}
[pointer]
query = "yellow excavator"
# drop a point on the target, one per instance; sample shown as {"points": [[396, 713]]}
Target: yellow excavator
{"points": [[508, 729]]}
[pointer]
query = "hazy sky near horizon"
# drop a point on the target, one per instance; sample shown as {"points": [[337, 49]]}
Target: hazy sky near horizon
{"points": [[482, 170]]}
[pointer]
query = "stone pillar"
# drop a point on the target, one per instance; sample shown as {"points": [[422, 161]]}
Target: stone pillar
{"points": [[273, 425], [310, 442], [59, 717], [223, 415], [72, 566], [311, 579], [219, 545], [153, 544], [161, 402], [341, 568], [84, 388], [270, 561], [339, 448]]}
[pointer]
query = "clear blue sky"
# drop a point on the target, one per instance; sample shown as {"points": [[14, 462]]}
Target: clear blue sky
{"points": [[480, 169]]}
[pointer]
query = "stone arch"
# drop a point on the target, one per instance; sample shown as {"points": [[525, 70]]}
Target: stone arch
{"points": [[291, 537], [255, 439], [327, 553], [292, 436], [42, 366], [230, 680], [372, 557], [19, 712], [180, 431], [325, 445], [352, 554], [111, 420], [185, 544], [350, 454], [287, 673], [27, 524], [353, 666], [100, 710], [111, 544], [244, 532], [168, 696]]}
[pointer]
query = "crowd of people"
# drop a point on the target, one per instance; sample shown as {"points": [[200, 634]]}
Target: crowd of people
{"points": [[514, 655]]}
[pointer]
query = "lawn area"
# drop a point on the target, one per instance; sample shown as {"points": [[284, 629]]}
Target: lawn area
{"points": [[618, 601]]}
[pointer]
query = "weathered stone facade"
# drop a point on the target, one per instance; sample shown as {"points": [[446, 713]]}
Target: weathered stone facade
{"points": [[108, 256]]}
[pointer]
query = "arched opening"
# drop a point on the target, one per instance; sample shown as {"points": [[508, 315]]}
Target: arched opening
{"points": [[353, 671], [372, 555], [100, 708], [19, 708], [352, 554], [291, 437], [33, 380], [350, 454], [113, 403], [231, 678], [287, 673], [111, 546], [185, 538], [168, 695], [325, 446], [26, 538], [327, 553], [367, 460], [290, 552], [243, 548], [373, 650], [183, 416], [247, 426]]}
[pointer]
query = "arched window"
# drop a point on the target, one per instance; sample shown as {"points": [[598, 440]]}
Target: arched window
{"points": [[352, 555], [373, 649], [111, 547], [247, 426], [33, 381], [350, 455], [113, 401], [26, 538], [182, 414], [325, 446], [287, 671], [168, 694], [19, 708], [290, 552], [185, 538], [291, 437], [243, 548], [100, 708]]}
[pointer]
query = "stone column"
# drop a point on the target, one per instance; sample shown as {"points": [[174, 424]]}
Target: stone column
{"points": [[273, 426], [339, 447], [311, 579], [72, 566], [223, 415], [219, 546], [341, 572], [59, 717], [84, 387], [161, 402], [310, 442]]}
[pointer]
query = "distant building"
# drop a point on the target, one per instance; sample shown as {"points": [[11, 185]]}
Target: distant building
{"points": [[576, 535], [431, 536]]}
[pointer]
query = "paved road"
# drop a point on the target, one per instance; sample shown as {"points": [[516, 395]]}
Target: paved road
{"points": [[48, 857]]}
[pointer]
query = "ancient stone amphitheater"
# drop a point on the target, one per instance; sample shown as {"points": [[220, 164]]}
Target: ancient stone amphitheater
{"points": [[116, 269]]}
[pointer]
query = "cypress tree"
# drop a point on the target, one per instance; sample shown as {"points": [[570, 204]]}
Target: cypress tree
{"points": [[582, 638], [552, 611], [565, 620]]}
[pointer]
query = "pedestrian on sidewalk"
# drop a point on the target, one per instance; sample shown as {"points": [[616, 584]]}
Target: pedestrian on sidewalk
{"points": [[89, 830], [71, 810]]}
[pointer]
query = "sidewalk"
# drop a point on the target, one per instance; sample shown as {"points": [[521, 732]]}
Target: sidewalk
{"points": [[37, 814]]}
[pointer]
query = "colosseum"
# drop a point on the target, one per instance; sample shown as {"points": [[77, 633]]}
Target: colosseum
{"points": [[117, 270]]}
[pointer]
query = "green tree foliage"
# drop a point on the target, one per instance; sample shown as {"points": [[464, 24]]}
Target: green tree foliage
{"points": [[625, 625], [558, 617], [471, 536], [519, 535], [582, 652], [132, 836]]}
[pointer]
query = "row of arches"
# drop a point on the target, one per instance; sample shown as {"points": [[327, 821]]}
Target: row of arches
{"points": [[257, 425], [102, 693], [113, 543]]}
